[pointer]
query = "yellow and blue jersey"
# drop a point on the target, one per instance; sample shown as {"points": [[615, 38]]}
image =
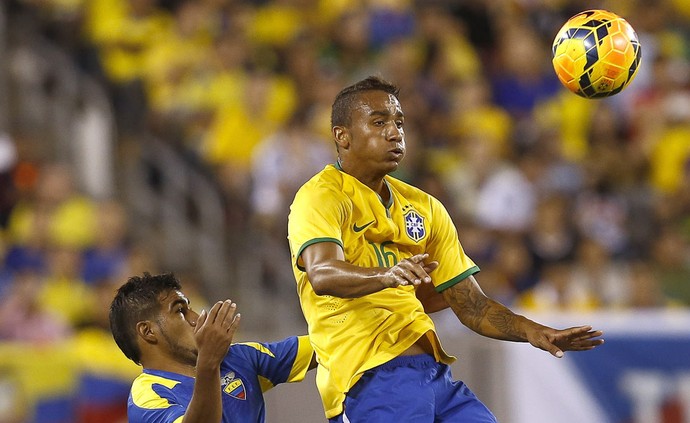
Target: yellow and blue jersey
{"points": [[248, 370], [352, 335]]}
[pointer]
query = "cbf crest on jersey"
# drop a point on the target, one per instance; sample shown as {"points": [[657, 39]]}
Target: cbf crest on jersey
{"points": [[414, 225], [233, 386]]}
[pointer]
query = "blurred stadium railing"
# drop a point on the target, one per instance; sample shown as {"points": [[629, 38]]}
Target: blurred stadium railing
{"points": [[178, 205]]}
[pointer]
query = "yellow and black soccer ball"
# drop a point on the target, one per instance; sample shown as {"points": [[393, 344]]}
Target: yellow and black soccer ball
{"points": [[596, 54]]}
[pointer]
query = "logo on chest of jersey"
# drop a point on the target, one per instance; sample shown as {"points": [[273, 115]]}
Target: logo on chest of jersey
{"points": [[414, 225], [233, 386]]}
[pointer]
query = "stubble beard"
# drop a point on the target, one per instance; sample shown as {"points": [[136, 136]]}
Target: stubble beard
{"points": [[184, 354]]}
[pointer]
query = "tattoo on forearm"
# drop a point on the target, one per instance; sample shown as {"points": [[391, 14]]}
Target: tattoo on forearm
{"points": [[472, 308], [469, 306], [505, 321]]}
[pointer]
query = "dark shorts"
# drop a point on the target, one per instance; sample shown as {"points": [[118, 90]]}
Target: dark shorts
{"points": [[412, 389]]}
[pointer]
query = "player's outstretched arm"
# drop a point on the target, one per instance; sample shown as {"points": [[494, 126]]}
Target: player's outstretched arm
{"points": [[213, 333], [491, 318]]}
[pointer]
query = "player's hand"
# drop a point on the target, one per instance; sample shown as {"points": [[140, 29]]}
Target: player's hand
{"points": [[214, 330], [410, 271], [556, 342]]}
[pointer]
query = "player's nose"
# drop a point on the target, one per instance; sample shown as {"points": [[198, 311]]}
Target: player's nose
{"points": [[394, 133]]}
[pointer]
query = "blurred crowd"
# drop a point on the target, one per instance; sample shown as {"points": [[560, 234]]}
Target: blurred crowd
{"points": [[565, 203]]}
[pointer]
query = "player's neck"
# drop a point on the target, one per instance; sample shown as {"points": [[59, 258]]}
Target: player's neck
{"points": [[375, 181], [169, 366]]}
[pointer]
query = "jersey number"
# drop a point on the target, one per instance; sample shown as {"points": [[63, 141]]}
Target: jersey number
{"points": [[385, 258]]}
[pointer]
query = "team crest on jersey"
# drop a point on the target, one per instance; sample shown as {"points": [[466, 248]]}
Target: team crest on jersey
{"points": [[233, 386], [414, 225]]}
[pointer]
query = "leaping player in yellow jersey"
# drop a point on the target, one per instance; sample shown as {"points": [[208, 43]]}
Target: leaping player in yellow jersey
{"points": [[368, 251]]}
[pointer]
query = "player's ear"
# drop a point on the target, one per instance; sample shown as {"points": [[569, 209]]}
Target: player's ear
{"points": [[145, 331], [342, 137]]}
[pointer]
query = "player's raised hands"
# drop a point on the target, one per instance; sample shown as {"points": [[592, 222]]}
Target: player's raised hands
{"points": [[214, 330], [556, 342]]}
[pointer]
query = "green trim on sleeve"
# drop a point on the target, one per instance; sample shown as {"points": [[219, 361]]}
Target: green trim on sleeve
{"points": [[312, 242], [464, 275]]}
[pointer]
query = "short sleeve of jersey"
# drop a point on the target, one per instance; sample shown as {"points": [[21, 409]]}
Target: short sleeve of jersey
{"points": [[316, 215], [445, 247], [152, 400], [278, 362]]}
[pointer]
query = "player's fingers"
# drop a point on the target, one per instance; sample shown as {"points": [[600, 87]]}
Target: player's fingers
{"points": [[226, 308], [431, 266], [200, 320], [419, 258], [588, 335], [230, 315], [550, 347], [427, 267], [589, 343], [555, 351], [577, 330], [421, 274], [234, 323], [213, 313], [585, 346], [405, 275]]}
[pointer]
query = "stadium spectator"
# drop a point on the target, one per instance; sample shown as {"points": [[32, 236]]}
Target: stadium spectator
{"points": [[646, 292], [552, 237], [281, 163], [23, 319], [106, 259], [555, 292], [65, 216], [123, 32], [604, 277], [62, 289], [670, 251]]}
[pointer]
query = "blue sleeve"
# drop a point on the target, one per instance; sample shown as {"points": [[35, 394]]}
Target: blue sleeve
{"points": [[155, 410], [279, 362]]}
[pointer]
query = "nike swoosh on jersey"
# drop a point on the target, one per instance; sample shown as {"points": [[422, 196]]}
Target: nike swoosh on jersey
{"points": [[361, 228]]}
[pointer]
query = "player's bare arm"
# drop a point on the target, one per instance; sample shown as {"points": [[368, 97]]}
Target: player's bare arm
{"points": [[330, 274], [431, 300], [213, 332], [491, 318]]}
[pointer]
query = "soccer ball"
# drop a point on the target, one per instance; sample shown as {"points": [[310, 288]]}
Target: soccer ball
{"points": [[596, 54]]}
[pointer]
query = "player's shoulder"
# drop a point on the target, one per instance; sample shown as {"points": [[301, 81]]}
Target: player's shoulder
{"points": [[268, 348], [409, 190], [327, 177], [419, 199], [167, 386], [327, 182], [149, 377]]}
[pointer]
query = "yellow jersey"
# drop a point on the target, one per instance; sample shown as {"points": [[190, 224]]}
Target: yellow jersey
{"points": [[352, 335]]}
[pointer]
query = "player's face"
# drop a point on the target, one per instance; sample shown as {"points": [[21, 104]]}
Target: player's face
{"points": [[176, 327], [377, 135]]}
